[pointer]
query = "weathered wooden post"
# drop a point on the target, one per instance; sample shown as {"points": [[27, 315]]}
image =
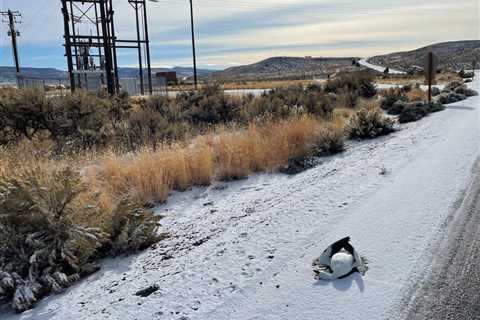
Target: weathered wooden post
{"points": [[430, 69]]}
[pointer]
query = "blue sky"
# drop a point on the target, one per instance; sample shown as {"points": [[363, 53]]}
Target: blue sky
{"points": [[244, 31]]}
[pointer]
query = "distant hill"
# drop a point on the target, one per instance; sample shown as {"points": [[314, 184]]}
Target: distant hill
{"points": [[454, 54], [285, 67], [182, 72], [8, 74]]}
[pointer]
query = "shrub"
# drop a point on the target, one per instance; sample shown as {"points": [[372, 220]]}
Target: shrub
{"points": [[78, 119], [390, 96], [23, 113], [463, 74], [413, 112], [397, 107], [347, 99], [133, 228], [467, 92], [366, 124], [362, 83], [53, 228], [452, 85], [282, 103], [210, 105], [435, 107], [42, 249], [146, 126]]}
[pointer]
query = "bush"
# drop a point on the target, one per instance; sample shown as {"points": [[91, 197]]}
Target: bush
{"points": [[397, 108], [464, 75], [80, 120], [414, 112], [23, 113], [390, 96], [347, 99], [464, 90], [362, 83], [53, 228], [210, 105], [366, 124], [435, 107], [282, 103], [133, 228], [42, 249], [146, 126], [452, 85]]}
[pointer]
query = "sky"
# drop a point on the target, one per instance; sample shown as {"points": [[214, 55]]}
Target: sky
{"points": [[230, 33]]}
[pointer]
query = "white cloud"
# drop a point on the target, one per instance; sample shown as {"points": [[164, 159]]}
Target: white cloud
{"points": [[236, 32]]}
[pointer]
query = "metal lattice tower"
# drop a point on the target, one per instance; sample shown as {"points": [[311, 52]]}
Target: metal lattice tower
{"points": [[94, 52]]}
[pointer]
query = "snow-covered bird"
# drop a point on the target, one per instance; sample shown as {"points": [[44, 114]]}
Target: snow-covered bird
{"points": [[338, 261]]}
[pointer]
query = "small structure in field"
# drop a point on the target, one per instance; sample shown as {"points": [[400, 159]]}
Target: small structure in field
{"points": [[170, 76]]}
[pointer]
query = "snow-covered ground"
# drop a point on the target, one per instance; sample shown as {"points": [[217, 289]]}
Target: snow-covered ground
{"points": [[423, 87], [243, 250], [365, 63]]}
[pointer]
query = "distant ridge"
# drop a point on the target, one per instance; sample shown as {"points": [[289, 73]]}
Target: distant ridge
{"points": [[8, 74], [452, 54], [286, 67]]}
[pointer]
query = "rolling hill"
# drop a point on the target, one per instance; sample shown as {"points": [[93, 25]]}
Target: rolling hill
{"points": [[286, 67], [455, 55]]}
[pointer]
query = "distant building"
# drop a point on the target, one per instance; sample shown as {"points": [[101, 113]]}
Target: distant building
{"points": [[170, 76]]}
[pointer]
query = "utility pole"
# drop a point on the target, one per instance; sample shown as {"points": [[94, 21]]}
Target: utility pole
{"points": [[13, 33], [139, 44], [193, 47], [147, 44]]}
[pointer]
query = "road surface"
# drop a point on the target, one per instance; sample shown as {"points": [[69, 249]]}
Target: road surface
{"points": [[365, 63], [452, 290]]}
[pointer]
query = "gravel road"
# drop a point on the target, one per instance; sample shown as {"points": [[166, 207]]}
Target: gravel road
{"points": [[452, 290]]}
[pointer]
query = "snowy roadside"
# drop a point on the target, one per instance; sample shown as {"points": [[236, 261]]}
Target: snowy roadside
{"points": [[365, 63], [243, 250]]}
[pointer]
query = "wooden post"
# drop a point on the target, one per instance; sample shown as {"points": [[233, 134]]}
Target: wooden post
{"points": [[430, 76]]}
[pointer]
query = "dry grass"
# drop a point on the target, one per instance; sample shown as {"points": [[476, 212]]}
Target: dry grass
{"points": [[244, 85], [416, 95], [441, 78], [368, 104], [228, 153]]}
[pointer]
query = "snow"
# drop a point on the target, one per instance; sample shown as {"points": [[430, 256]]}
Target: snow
{"points": [[365, 63], [382, 86], [244, 250]]}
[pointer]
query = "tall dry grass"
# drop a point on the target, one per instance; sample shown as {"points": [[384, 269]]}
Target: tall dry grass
{"points": [[417, 95], [150, 175]]}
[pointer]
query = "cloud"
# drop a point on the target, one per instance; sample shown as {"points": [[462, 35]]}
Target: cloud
{"points": [[238, 32]]}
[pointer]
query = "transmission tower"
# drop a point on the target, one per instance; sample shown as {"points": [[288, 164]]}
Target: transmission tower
{"points": [[12, 18], [91, 51]]}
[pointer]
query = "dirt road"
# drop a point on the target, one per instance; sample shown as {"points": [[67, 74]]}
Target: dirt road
{"points": [[452, 291]]}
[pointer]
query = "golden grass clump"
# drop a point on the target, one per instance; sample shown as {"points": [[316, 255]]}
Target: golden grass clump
{"points": [[416, 95], [228, 153]]}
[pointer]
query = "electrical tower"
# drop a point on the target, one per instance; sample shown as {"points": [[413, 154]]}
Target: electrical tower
{"points": [[12, 18], [91, 51]]}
